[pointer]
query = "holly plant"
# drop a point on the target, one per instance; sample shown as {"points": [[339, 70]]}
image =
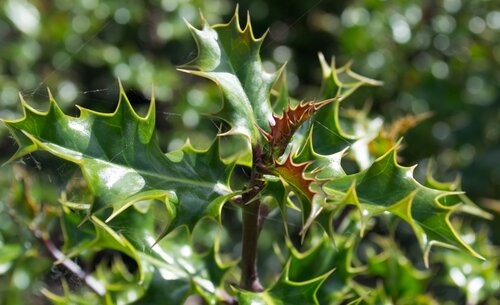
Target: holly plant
{"points": [[159, 228]]}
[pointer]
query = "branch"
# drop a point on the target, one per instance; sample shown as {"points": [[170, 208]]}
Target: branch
{"points": [[251, 227], [59, 256], [73, 267]]}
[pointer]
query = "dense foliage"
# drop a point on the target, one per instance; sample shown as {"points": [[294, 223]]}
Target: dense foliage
{"points": [[320, 183]]}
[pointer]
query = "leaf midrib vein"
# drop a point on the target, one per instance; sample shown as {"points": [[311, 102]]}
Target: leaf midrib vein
{"points": [[210, 185]]}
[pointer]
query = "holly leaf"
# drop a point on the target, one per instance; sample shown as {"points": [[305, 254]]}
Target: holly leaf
{"points": [[120, 159], [389, 187], [169, 270], [464, 203], [323, 187], [229, 56], [322, 258], [319, 181], [304, 173], [401, 279], [284, 291], [330, 132], [316, 126], [288, 123]]}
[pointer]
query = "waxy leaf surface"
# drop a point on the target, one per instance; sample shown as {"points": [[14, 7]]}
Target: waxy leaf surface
{"points": [[229, 56], [284, 292], [123, 164], [389, 187]]}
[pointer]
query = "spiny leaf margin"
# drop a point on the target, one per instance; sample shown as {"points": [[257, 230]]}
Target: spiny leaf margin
{"points": [[230, 56], [418, 205], [107, 146]]}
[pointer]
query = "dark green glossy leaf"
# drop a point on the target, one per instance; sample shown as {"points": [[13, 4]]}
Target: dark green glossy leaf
{"points": [[284, 292], [387, 186], [322, 258], [329, 136], [169, 271], [123, 164], [229, 56]]}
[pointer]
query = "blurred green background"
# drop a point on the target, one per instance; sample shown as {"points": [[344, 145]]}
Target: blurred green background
{"points": [[433, 56]]}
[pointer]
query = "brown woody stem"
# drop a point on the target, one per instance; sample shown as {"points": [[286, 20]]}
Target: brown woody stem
{"points": [[251, 228], [73, 267], [249, 276], [93, 283]]}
